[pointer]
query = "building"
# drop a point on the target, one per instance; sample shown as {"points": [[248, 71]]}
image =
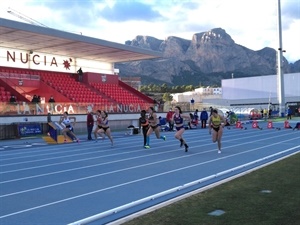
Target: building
{"points": [[36, 60]]}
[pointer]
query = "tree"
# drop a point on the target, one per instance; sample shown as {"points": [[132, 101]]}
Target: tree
{"points": [[164, 88], [189, 88], [167, 97]]}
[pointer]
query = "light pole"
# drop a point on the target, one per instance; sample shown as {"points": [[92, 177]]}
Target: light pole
{"points": [[280, 78]]}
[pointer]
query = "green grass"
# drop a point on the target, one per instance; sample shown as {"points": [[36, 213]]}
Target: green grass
{"points": [[277, 119], [241, 199]]}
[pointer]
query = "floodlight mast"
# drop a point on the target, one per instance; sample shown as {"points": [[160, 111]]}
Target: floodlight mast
{"points": [[25, 18], [280, 76]]}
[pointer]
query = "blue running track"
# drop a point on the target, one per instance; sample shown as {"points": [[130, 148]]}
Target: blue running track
{"points": [[94, 182]]}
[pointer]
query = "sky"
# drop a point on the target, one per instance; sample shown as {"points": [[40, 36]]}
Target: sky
{"points": [[250, 23]]}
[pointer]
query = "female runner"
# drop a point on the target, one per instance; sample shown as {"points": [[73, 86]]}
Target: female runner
{"points": [[215, 125], [178, 121], [153, 122], [66, 120], [98, 121], [144, 126], [105, 129]]}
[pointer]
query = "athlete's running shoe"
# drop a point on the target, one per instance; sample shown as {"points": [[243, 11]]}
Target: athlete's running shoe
{"points": [[77, 141], [147, 146], [186, 147], [219, 151], [181, 144], [164, 138]]}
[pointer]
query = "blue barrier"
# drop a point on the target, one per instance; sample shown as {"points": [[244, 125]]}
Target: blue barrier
{"points": [[29, 129]]}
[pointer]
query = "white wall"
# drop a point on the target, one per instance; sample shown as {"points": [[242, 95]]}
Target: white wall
{"points": [[260, 87], [50, 62]]}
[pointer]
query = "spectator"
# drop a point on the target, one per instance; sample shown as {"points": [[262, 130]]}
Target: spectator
{"points": [[194, 119], [35, 99], [196, 116], [296, 111], [12, 99], [192, 103], [270, 113], [289, 113], [203, 118], [262, 113], [80, 74], [265, 113], [51, 99], [211, 110], [156, 106], [90, 124], [190, 121], [169, 119]]}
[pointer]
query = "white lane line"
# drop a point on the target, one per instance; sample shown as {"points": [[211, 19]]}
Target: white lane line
{"points": [[126, 183], [189, 135], [139, 166], [59, 157], [100, 164], [179, 188], [24, 153]]}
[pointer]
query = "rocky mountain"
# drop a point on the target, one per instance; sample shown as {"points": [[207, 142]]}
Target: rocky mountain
{"points": [[206, 59]]}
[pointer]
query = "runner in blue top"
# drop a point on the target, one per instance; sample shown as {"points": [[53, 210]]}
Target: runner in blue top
{"points": [[178, 118]]}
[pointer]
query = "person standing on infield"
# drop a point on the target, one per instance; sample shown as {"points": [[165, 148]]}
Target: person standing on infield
{"points": [[89, 124], [203, 118], [216, 127], [169, 119]]}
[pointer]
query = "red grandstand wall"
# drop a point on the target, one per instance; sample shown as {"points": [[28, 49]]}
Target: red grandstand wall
{"points": [[65, 89], [135, 92], [100, 78], [46, 91], [13, 91], [24, 83]]}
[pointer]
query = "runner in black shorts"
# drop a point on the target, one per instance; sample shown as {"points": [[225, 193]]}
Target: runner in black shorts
{"points": [[215, 124], [178, 121], [153, 122]]}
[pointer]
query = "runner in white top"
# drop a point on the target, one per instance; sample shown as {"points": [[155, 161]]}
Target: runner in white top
{"points": [[66, 120]]}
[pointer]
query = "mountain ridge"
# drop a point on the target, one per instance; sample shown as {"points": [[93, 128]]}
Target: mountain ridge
{"points": [[207, 58]]}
